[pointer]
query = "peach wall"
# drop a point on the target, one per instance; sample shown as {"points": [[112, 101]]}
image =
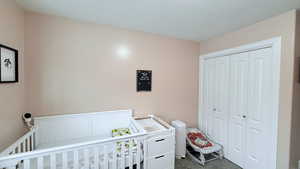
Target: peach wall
{"points": [[284, 26], [295, 136], [75, 67], [12, 95]]}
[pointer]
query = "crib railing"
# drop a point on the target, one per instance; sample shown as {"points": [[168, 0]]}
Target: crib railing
{"points": [[112, 153], [24, 144]]}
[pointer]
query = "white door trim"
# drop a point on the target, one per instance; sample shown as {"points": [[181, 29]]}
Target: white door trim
{"points": [[275, 44]]}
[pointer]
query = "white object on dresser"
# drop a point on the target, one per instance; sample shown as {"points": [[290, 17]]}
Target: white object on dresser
{"points": [[159, 144], [180, 128]]}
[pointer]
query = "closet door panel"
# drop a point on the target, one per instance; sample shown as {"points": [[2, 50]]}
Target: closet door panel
{"points": [[215, 98], [210, 99], [205, 96], [221, 100], [238, 107], [259, 108]]}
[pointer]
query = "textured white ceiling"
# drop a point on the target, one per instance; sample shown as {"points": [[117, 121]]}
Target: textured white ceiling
{"points": [[184, 19]]}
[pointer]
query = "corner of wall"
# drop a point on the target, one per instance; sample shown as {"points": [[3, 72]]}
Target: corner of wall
{"points": [[12, 98], [295, 125]]}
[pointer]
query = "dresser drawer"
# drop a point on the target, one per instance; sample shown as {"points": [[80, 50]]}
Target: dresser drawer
{"points": [[165, 161], [160, 145]]}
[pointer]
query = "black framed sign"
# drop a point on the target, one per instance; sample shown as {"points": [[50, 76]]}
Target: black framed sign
{"points": [[144, 80], [8, 65]]}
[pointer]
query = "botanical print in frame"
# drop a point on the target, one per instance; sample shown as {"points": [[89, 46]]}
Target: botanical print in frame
{"points": [[8, 65]]}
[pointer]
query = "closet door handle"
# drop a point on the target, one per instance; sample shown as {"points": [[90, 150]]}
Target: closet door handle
{"points": [[244, 116], [158, 157], [159, 140]]}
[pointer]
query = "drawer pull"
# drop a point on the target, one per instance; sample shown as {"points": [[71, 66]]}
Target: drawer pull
{"points": [[158, 157], [159, 140]]}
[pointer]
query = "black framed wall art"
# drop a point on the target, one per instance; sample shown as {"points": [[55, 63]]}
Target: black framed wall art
{"points": [[144, 80], [9, 72]]}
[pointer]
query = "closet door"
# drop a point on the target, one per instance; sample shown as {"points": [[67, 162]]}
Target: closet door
{"points": [[216, 98], [250, 108], [220, 110], [205, 96], [239, 106], [259, 109], [239, 64], [209, 95]]}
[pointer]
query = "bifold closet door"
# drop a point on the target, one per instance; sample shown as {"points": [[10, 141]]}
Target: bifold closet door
{"points": [[216, 98], [220, 110], [259, 111], [208, 95], [239, 66], [250, 108]]}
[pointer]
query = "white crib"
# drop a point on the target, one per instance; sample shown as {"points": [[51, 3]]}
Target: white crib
{"points": [[78, 141]]}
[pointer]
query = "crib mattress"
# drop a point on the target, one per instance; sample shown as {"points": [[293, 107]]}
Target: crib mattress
{"points": [[70, 142]]}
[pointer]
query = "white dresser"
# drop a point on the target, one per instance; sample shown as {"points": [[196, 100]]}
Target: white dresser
{"points": [[160, 143]]}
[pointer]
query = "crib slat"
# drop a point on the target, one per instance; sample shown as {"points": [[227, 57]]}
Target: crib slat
{"points": [[64, 160], [138, 154], [105, 159], [40, 163], [101, 152], [130, 157], [52, 161], [19, 148], [24, 146], [16, 150], [27, 164], [145, 164], [96, 158], [86, 158], [31, 141], [76, 159], [28, 144], [122, 155], [18, 165], [114, 156]]}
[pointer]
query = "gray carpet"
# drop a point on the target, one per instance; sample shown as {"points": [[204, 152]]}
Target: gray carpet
{"points": [[217, 164]]}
